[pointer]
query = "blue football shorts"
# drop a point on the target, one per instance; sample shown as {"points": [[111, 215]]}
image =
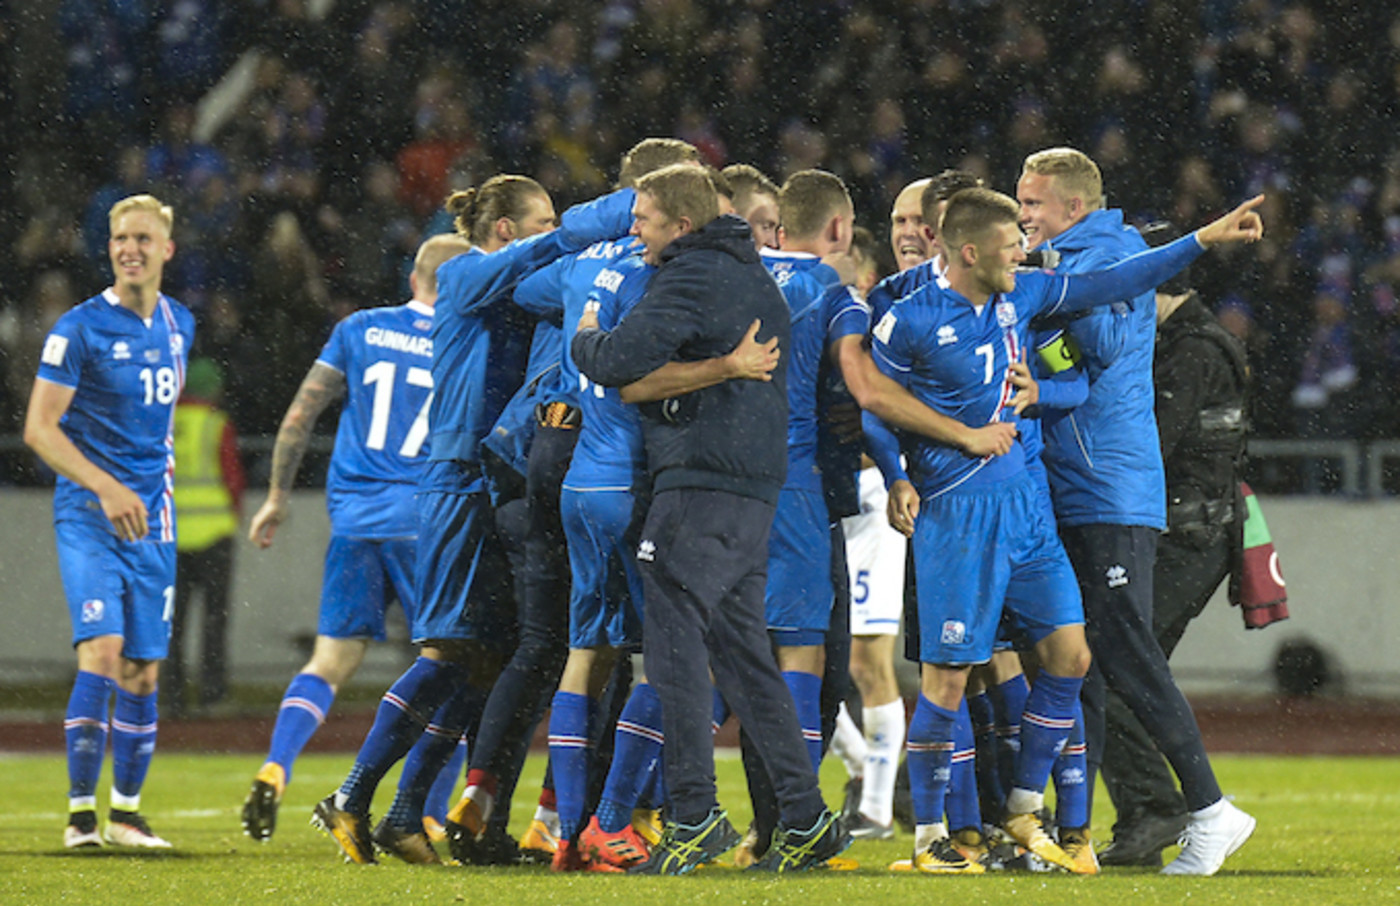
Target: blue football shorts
{"points": [[799, 596], [982, 551], [359, 577], [605, 600], [462, 580], [116, 587]]}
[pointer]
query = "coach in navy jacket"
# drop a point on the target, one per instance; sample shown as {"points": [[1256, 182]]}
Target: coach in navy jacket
{"points": [[718, 456], [731, 436]]}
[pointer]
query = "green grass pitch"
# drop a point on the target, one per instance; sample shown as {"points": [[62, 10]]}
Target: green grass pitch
{"points": [[1329, 833]]}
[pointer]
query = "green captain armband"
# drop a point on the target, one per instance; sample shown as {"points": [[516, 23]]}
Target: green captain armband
{"points": [[1059, 353]]}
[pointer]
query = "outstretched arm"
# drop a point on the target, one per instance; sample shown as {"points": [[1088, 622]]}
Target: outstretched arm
{"points": [[322, 386], [1145, 270]]}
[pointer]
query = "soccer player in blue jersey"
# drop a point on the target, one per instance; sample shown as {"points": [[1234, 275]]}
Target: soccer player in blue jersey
{"points": [[817, 220], [557, 292], [1105, 469], [981, 538], [875, 553], [464, 613], [101, 415], [380, 361]]}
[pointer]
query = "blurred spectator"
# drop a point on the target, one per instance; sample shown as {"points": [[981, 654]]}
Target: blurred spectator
{"points": [[1323, 398]]}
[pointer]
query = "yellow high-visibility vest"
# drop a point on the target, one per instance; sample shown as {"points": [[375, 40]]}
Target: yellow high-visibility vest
{"points": [[204, 510]]}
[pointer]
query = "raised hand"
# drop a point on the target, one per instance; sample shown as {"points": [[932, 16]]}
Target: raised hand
{"points": [[1243, 224]]}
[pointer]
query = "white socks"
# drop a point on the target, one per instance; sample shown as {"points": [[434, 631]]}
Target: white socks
{"points": [[885, 727]]}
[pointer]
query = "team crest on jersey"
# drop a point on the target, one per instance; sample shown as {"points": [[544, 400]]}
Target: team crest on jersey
{"points": [[1006, 314], [954, 632], [177, 345], [152, 355], [947, 335], [92, 610], [883, 330], [121, 350]]}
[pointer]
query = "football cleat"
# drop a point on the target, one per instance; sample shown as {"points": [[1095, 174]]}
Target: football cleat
{"points": [[260, 808], [685, 847], [81, 832], [647, 823], [971, 843], [747, 852], [1078, 846], [434, 829], [944, 858], [469, 814], [493, 847], [130, 829], [1209, 839], [1025, 828], [573, 857], [799, 850], [350, 832], [862, 828], [621, 849], [539, 844], [415, 849]]}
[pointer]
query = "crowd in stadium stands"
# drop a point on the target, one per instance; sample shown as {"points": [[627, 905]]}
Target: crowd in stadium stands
{"points": [[309, 198]]}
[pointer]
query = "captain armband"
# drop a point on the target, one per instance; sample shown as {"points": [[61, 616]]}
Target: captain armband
{"points": [[1059, 353]]}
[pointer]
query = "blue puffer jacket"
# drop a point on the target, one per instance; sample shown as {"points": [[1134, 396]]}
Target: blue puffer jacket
{"points": [[1103, 458]]}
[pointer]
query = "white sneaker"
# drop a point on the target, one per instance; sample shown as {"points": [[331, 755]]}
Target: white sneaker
{"points": [[132, 830], [1211, 835]]}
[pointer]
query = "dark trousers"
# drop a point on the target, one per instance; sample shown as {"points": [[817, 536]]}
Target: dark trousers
{"points": [[704, 565], [1114, 564], [524, 688], [207, 572], [1137, 778]]}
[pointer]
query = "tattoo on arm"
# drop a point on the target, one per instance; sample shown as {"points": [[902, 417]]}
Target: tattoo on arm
{"points": [[322, 386]]}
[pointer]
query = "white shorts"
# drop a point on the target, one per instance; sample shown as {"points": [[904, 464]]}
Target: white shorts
{"points": [[875, 561]]}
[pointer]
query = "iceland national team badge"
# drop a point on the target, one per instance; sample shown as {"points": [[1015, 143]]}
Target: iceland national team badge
{"points": [[177, 344], [1006, 314], [954, 633], [92, 610]]}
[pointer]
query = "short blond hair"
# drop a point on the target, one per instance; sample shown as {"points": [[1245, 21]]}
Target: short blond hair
{"points": [[432, 254], [682, 190], [148, 203], [651, 154], [1074, 172]]}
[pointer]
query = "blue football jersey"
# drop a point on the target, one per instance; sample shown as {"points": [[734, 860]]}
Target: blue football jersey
{"points": [[560, 291], [381, 443], [126, 374], [610, 454], [956, 358], [480, 345], [823, 311]]}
